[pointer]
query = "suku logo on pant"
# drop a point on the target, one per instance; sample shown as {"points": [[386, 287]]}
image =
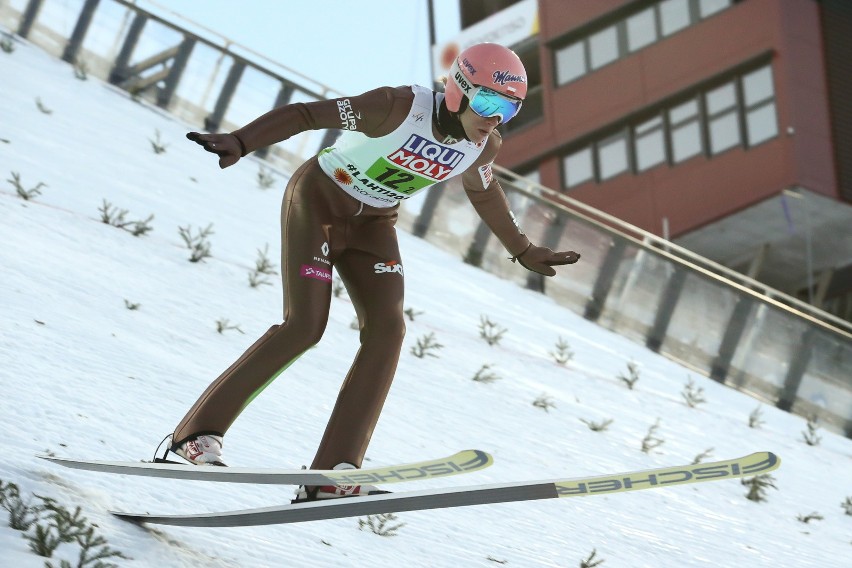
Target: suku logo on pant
{"points": [[390, 266]]}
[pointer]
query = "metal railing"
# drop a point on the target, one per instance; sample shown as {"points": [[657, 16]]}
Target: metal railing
{"points": [[188, 70]]}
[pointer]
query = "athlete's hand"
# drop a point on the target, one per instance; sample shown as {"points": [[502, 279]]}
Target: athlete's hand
{"points": [[542, 259], [226, 146]]}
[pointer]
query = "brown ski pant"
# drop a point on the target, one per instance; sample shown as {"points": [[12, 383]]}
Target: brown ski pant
{"points": [[321, 227]]}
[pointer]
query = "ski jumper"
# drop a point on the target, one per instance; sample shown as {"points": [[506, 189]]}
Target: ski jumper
{"points": [[339, 212]]}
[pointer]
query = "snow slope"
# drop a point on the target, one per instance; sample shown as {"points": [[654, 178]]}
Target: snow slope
{"points": [[84, 376]]}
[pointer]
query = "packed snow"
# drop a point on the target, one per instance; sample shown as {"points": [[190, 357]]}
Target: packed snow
{"points": [[85, 376]]}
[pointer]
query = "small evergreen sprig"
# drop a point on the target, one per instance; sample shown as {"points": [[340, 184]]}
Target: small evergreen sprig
{"points": [[810, 435], [81, 70], [810, 517], [52, 525], [42, 107], [632, 376], [222, 326], [337, 287], [757, 486], [426, 345], [60, 526], [6, 44], [754, 419], [25, 194], [693, 395], [157, 143], [384, 524], [702, 456], [591, 562], [847, 506], [563, 353], [197, 244], [111, 215], [263, 267], [8, 491], [544, 402], [411, 313], [265, 179], [597, 426], [651, 441], [490, 331], [483, 375], [22, 514]]}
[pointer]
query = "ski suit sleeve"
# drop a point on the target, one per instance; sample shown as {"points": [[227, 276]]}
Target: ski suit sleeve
{"points": [[374, 113], [489, 200], [364, 113]]}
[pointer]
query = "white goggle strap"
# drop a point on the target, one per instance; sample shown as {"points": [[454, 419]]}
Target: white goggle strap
{"points": [[467, 88]]}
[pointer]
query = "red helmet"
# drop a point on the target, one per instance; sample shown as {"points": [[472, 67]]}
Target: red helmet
{"points": [[486, 65]]}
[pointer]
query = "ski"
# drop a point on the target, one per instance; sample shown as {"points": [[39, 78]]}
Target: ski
{"points": [[754, 464], [466, 461]]}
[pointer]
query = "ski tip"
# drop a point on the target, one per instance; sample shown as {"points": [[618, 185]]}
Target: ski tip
{"points": [[480, 459], [136, 519], [773, 459], [50, 458]]}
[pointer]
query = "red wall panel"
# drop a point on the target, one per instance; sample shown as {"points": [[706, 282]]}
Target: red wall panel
{"points": [[702, 189]]}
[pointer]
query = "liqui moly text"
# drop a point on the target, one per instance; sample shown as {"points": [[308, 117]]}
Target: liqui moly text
{"points": [[426, 158]]}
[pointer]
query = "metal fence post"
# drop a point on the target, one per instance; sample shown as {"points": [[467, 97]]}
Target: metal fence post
{"points": [[285, 93], [214, 120], [798, 364], [75, 42], [476, 250], [164, 97], [119, 69], [328, 139], [430, 205], [733, 335], [606, 275], [29, 17], [670, 297]]}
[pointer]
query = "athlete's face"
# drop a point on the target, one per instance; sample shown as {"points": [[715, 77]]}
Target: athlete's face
{"points": [[477, 128]]}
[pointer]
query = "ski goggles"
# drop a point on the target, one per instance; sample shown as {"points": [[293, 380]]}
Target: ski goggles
{"points": [[487, 103]]}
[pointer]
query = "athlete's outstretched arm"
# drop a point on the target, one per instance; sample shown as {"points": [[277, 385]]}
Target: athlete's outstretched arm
{"points": [[488, 198], [365, 113]]}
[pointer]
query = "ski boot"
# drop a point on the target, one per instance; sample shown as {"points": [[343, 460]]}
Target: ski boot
{"points": [[322, 492]]}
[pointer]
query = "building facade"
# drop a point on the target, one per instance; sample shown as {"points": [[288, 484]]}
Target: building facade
{"points": [[722, 125]]}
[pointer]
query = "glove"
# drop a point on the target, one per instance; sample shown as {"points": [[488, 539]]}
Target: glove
{"points": [[228, 147], [542, 259]]}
